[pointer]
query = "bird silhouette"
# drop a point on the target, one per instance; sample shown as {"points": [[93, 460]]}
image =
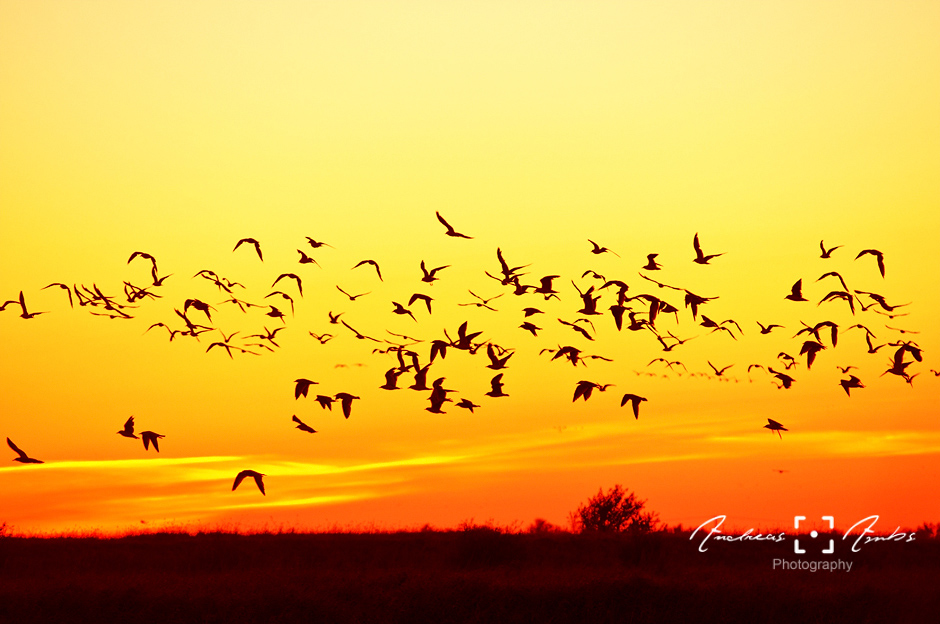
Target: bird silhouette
{"points": [[403, 311], [835, 274], [374, 264], [149, 437], [346, 401], [450, 230], [811, 348], [317, 244], [826, 253], [599, 250], [322, 338], [496, 362], [23, 457], [293, 276], [880, 257], [496, 387], [839, 294], [545, 287], [26, 313], [326, 402], [701, 258], [531, 327], [635, 400], [785, 380], [467, 404], [851, 382], [303, 426], [128, 430], [250, 241], [768, 328], [651, 264], [796, 293], [305, 259], [63, 286], [419, 297], [302, 386], [429, 276], [358, 335], [773, 425], [257, 476], [719, 373]]}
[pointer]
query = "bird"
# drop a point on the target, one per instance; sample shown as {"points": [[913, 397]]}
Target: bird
{"points": [[851, 382], [773, 425], [251, 241], [322, 338], [128, 430], [545, 287], [302, 386], [317, 244], [358, 335], [651, 264], [839, 294], [257, 476], [346, 400], [796, 293], [391, 378], [785, 380], [374, 264], [467, 404], [303, 426], [701, 258], [419, 297], [530, 327], [429, 275], [351, 297], [530, 311], [482, 303], [826, 253], [811, 348], [768, 328], [149, 438], [496, 387], [835, 274], [305, 259], [402, 310], [496, 362], [450, 230], [67, 290], [599, 250], [147, 256], [584, 389], [199, 305], [718, 373], [23, 457], [26, 313], [880, 257], [635, 400], [293, 276], [326, 402]]}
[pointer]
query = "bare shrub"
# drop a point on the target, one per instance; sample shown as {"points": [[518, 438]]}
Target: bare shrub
{"points": [[615, 511]]}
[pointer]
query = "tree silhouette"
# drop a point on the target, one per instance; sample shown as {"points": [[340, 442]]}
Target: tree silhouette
{"points": [[615, 511]]}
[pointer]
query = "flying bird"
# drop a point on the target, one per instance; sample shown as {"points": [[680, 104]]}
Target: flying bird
{"points": [[303, 426], [796, 293], [23, 457], [251, 241], [450, 230], [67, 290], [599, 250], [374, 264], [496, 387], [701, 258], [768, 328], [149, 438], [249, 473], [718, 373], [305, 259], [773, 425], [302, 386], [851, 382], [293, 276], [317, 244], [419, 297], [429, 275], [467, 404], [128, 430], [826, 253], [635, 400], [651, 264], [346, 400], [351, 298], [878, 255]]}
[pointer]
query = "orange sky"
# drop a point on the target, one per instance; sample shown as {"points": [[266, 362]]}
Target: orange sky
{"points": [[177, 130]]}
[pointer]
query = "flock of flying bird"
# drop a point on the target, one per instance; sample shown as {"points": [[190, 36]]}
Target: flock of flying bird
{"points": [[638, 313]]}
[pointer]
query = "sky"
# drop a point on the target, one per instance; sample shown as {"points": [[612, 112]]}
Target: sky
{"points": [[177, 129]]}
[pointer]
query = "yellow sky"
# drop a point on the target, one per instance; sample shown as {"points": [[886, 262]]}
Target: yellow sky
{"points": [[177, 129]]}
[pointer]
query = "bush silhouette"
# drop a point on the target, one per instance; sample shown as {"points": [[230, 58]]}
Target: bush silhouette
{"points": [[615, 511]]}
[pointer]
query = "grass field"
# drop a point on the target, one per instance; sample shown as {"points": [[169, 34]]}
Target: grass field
{"points": [[478, 574]]}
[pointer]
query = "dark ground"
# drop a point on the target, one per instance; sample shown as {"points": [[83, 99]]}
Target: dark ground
{"points": [[475, 575]]}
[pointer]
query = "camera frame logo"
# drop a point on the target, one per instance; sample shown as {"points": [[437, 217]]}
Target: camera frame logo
{"points": [[814, 534]]}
